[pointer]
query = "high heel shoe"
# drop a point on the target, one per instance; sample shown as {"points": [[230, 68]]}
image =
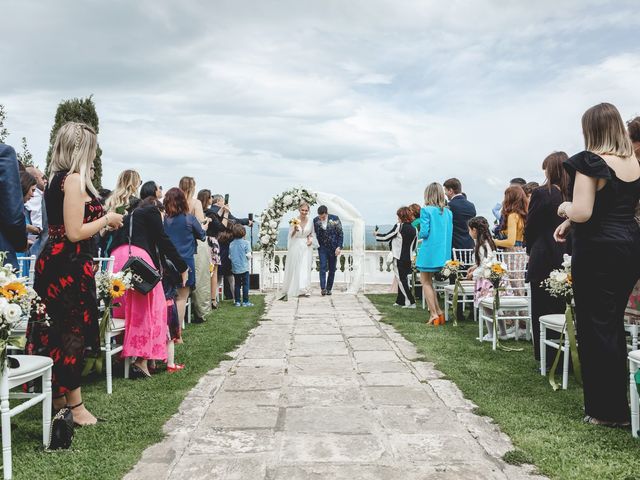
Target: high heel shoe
{"points": [[441, 319], [137, 372], [176, 368]]}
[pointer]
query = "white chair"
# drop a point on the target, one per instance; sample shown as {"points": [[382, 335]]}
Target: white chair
{"points": [[515, 307], [466, 256], [28, 265], [115, 328], [634, 365], [555, 322], [31, 367], [465, 296], [634, 332]]}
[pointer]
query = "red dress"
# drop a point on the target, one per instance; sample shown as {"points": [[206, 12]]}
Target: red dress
{"points": [[64, 279]]}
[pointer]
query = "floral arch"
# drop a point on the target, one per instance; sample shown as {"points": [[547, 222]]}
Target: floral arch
{"points": [[289, 200]]}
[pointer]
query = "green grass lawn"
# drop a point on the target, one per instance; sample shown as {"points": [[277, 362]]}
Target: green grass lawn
{"points": [[136, 410], [545, 426]]}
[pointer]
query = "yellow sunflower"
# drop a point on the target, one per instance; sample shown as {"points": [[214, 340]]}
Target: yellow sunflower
{"points": [[497, 269], [117, 288], [13, 290]]}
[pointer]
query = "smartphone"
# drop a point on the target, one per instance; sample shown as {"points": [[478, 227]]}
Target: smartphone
{"points": [[376, 228], [250, 217], [226, 199]]}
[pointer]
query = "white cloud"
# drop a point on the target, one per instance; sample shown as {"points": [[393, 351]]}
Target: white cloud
{"points": [[369, 99]]}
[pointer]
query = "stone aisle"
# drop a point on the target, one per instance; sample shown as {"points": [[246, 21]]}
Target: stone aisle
{"points": [[322, 390]]}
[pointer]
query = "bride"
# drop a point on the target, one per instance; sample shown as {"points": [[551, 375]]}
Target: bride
{"points": [[297, 270]]}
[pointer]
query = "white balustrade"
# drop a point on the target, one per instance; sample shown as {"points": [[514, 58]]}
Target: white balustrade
{"points": [[375, 269]]}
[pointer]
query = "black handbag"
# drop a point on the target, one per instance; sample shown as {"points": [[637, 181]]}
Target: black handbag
{"points": [[144, 277], [62, 430]]}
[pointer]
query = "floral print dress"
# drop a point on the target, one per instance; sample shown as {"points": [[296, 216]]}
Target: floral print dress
{"points": [[64, 279]]}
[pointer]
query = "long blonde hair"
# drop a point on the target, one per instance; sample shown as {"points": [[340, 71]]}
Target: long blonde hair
{"points": [[74, 150], [188, 187], [604, 131], [434, 196], [127, 186]]}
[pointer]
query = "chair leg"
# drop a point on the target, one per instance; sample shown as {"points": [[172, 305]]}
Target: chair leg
{"points": [[46, 407], [633, 391], [6, 425], [127, 365], [446, 306], [494, 340], [480, 324], [107, 359], [634, 337], [543, 350]]}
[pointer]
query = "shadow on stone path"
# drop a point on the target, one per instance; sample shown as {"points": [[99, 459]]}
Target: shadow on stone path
{"points": [[322, 390]]}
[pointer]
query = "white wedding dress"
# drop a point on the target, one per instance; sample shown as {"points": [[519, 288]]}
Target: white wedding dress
{"points": [[297, 270]]}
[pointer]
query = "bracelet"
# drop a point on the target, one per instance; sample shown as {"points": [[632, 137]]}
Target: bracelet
{"points": [[106, 220]]}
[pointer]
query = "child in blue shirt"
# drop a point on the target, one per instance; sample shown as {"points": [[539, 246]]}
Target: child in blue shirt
{"points": [[239, 254]]}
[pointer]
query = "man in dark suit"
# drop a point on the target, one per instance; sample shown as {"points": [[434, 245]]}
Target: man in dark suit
{"points": [[463, 211], [328, 229], [13, 230]]}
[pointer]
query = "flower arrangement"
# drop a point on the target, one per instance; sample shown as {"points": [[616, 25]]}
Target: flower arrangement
{"points": [[560, 285], [111, 287], [495, 272], [451, 270], [17, 302], [271, 217]]}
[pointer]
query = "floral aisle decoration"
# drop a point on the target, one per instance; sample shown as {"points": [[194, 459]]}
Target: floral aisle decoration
{"points": [[560, 285], [451, 271], [111, 287], [17, 302], [496, 273], [271, 217]]}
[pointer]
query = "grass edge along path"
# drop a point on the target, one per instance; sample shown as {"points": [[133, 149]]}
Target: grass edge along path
{"points": [[137, 409], [545, 427]]}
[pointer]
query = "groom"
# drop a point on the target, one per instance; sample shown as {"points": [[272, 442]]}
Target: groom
{"points": [[328, 230]]}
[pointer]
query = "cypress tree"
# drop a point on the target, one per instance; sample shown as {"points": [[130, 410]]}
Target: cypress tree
{"points": [[78, 110]]}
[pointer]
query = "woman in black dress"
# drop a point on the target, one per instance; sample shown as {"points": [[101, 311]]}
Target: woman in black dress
{"points": [[545, 254], [64, 276], [605, 188]]}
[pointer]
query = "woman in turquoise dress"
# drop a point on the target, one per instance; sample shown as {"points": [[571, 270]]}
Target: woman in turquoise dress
{"points": [[436, 231]]}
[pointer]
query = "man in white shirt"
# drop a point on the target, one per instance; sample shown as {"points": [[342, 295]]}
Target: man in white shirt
{"points": [[34, 206]]}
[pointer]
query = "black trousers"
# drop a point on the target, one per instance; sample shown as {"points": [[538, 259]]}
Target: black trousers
{"points": [[405, 293], [542, 303], [604, 275]]}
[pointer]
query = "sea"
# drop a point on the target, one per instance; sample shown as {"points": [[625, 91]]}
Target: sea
{"points": [[370, 240]]}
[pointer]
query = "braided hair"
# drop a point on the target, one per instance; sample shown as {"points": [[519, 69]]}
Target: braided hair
{"points": [[483, 237]]}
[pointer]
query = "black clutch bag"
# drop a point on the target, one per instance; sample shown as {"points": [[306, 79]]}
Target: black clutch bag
{"points": [[144, 277], [62, 430]]}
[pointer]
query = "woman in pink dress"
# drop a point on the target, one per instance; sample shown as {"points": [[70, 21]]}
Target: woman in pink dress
{"points": [[142, 236]]}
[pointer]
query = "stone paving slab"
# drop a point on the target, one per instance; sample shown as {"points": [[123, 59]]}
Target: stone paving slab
{"points": [[322, 390]]}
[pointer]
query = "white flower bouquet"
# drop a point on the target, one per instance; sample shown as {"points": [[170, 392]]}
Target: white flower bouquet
{"points": [[17, 302]]}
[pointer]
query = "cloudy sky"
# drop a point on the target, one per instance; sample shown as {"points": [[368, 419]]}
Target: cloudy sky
{"points": [[371, 99]]}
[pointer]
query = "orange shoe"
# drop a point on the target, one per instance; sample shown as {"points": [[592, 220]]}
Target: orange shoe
{"points": [[441, 317]]}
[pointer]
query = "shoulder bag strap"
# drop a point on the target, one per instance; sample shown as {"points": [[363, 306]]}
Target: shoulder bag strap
{"points": [[130, 231]]}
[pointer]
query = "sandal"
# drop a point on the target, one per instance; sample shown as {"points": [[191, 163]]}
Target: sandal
{"points": [[80, 425], [602, 423]]}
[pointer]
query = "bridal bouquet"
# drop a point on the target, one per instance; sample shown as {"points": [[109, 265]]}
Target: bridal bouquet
{"points": [[17, 302], [560, 285], [451, 270], [277, 207], [294, 222], [111, 287]]}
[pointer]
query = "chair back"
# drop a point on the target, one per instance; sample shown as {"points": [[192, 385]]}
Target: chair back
{"points": [[517, 267], [466, 256], [27, 268], [104, 264]]}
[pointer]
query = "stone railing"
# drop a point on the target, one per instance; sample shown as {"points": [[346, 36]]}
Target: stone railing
{"points": [[375, 269]]}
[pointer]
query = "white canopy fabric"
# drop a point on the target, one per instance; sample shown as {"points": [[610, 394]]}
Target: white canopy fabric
{"points": [[349, 214]]}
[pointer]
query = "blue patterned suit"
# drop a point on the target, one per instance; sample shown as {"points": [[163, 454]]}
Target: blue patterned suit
{"points": [[329, 239]]}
